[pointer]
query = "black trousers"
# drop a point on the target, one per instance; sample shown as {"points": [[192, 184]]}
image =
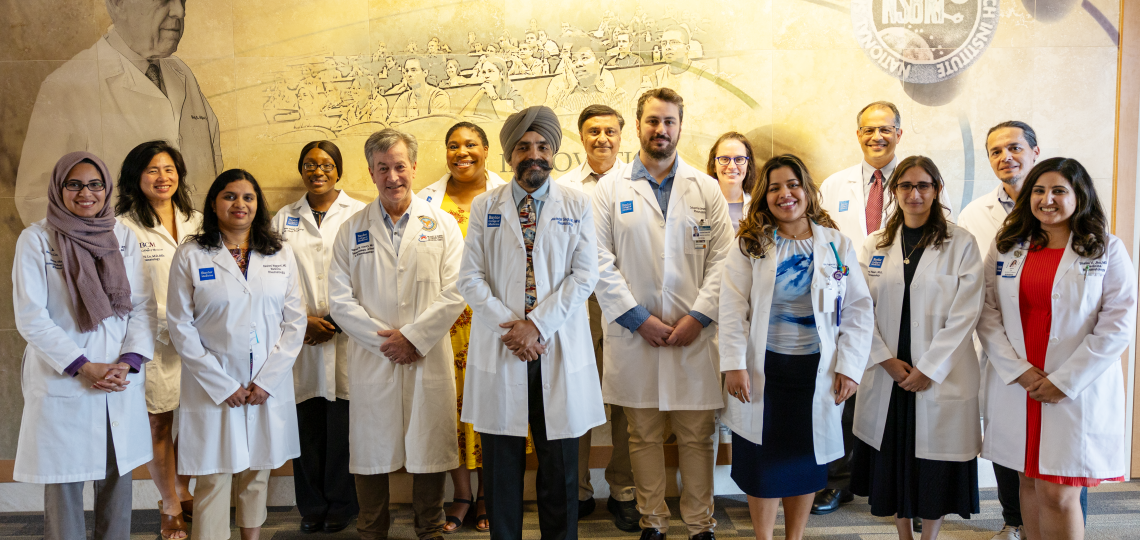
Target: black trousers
{"points": [[504, 464], [839, 471], [325, 489], [1009, 495]]}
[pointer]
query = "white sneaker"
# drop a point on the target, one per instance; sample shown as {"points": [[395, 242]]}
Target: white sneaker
{"points": [[1008, 532]]}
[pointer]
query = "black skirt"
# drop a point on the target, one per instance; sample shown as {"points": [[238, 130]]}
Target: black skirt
{"points": [[784, 465]]}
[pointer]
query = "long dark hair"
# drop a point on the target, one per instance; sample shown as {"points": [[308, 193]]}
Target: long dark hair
{"points": [[132, 201], [330, 149], [758, 228], [262, 238], [936, 229], [1088, 222], [749, 169]]}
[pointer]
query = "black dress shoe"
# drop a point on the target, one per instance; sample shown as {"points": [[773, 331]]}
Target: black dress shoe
{"points": [[652, 534], [626, 516], [312, 524], [828, 500], [587, 507], [916, 524], [706, 535], [335, 525]]}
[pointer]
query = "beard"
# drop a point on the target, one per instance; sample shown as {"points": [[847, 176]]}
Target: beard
{"points": [[532, 173], [659, 154]]}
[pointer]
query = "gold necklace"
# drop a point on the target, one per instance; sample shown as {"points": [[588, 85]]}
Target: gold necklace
{"points": [[237, 245], [797, 236], [906, 260]]}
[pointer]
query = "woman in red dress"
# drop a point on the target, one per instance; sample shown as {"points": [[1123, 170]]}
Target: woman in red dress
{"points": [[1060, 308]]}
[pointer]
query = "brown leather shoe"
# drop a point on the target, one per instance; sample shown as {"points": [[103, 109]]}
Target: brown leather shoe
{"points": [[171, 526], [188, 510]]}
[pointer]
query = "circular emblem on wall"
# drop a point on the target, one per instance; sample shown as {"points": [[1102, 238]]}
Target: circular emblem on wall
{"points": [[924, 41]]}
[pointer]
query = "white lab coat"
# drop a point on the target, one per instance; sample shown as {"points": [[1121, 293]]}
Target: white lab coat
{"points": [[401, 416], [219, 319], [1094, 319], [100, 102], [745, 308], [492, 279], [434, 193], [946, 298], [655, 263], [841, 194], [320, 370], [576, 177], [63, 429], [164, 371]]}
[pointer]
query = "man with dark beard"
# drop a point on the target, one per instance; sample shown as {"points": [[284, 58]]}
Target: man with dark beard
{"points": [[663, 234], [529, 264]]}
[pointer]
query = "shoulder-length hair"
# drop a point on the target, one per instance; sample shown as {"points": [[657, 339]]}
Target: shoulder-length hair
{"points": [[936, 230], [1088, 222], [262, 238], [758, 228], [749, 169], [132, 201]]}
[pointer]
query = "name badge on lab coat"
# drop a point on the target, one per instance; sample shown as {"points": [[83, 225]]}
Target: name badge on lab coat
{"points": [[205, 274], [843, 205], [1093, 268], [292, 221], [493, 220], [702, 233], [1014, 267]]}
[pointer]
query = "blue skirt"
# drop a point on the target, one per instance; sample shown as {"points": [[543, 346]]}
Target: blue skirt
{"points": [[784, 466]]}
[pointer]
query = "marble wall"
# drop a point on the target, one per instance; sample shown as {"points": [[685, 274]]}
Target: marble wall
{"points": [[791, 74]]}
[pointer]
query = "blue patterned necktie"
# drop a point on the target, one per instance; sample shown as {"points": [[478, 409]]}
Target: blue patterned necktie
{"points": [[529, 226]]}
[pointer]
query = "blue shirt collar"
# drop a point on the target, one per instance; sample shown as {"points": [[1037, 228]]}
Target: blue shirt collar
{"points": [[539, 194], [640, 172]]}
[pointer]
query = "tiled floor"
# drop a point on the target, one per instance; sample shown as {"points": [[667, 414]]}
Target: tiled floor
{"points": [[1114, 513]]}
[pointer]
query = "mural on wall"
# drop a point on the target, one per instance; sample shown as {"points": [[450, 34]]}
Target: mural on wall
{"points": [[125, 89]]}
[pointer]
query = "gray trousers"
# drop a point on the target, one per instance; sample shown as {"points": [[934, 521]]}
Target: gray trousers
{"points": [[63, 505], [375, 519]]}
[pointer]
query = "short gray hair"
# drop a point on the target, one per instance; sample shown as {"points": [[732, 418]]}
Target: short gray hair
{"points": [[385, 139], [880, 105]]}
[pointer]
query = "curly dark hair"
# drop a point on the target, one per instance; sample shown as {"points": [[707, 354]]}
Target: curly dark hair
{"points": [[936, 230], [758, 229], [132, 201], [1088, 223], [262, 238]]}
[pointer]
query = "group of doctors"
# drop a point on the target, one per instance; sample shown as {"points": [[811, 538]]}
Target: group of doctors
{"points": [[661, 296]]}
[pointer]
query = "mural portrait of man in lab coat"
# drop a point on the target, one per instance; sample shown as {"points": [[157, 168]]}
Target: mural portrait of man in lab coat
{"points": [[125, 89]]}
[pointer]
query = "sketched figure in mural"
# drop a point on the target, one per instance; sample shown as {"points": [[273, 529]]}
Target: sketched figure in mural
{"points": [[126, 88], [364, 109], [497, 96], [677, 52], [624, 57], [526, 65], [587, 82], [391, 76], [419, 98]]}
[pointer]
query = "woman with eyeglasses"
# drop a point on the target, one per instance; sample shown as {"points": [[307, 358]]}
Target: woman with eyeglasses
{"points": [[795, 326], [731, 163], [85, 307], [916, 411], [154, 201], [326, 492], [1060, 310], [237, 318]]}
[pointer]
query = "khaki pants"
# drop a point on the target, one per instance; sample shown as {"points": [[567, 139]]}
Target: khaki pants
{"points": [[212, 503], [619, 472], [695, 431], [375, 519]]}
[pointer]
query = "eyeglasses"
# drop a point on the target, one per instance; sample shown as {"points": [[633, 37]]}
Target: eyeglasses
{"points": [[725, 160], [76, 185], [326, 167], [922, 187], [887, 131]]}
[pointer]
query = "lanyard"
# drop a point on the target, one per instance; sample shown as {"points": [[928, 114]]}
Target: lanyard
{"points": [[840, 271]]}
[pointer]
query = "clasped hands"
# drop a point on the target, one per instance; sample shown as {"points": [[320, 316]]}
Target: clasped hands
{"points": [[908, 376], [659, 334], [254, 395], [1036, 382], [106, 377], [738, 385], [523, 339]]}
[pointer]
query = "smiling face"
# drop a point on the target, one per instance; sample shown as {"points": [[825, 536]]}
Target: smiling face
{"points": [[1011, 155], [1053, 200], [531, 160], [84, 203], [786, 197], [731, 174], [659, 128], [159, 181], [916, 193], [151, 28], [878, 148], [466, 156], [393, 173], [236, 206], [317, 181], [601, 138]]}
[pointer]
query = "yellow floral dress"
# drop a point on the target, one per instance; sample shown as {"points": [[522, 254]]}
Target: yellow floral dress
{"points": [[470, 450]]}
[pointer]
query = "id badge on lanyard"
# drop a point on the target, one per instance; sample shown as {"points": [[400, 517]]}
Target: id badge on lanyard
{"points": [[1012, 268], [702, 233]]}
